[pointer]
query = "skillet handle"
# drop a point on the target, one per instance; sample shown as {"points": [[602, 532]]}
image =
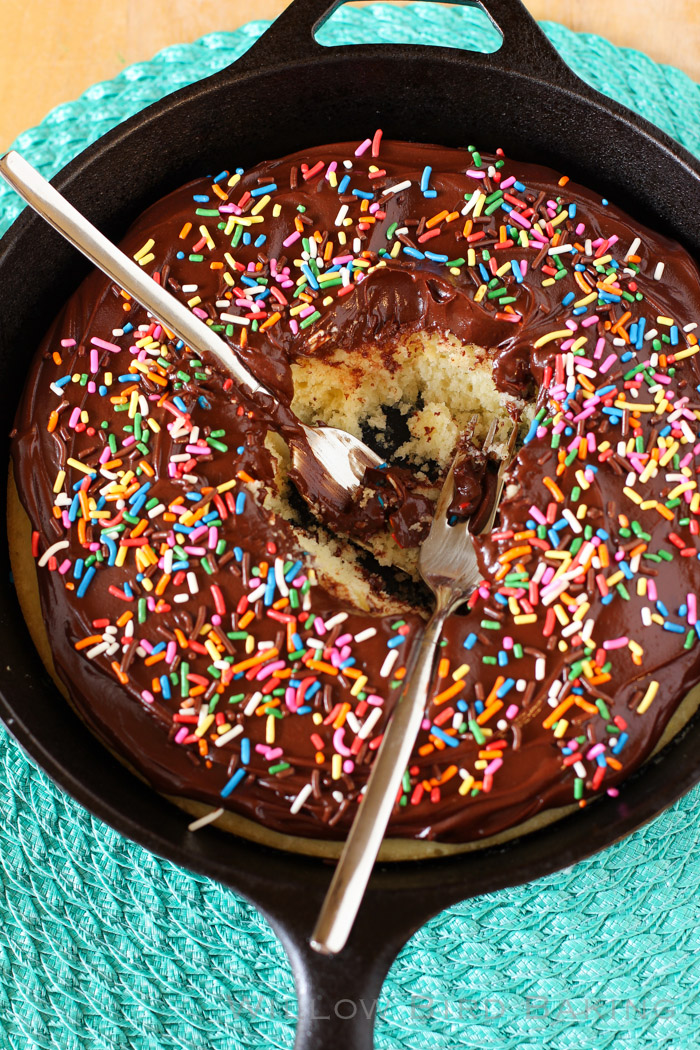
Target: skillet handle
{"points": [[525, 48]]}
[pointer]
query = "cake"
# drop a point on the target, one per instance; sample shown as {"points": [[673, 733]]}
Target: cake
{"points": [[242, 651]]}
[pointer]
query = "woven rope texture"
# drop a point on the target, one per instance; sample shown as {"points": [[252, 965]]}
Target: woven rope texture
{"points": [[104, 946]]}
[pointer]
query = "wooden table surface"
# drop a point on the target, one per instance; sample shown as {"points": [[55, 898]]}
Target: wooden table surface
{"points": [[51, 52]]}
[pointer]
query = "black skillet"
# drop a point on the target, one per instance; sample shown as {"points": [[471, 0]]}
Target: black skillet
{"points": [[285, 93]]}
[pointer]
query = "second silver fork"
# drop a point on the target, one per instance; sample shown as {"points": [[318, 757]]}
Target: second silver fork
{"points": [[448, 564]]}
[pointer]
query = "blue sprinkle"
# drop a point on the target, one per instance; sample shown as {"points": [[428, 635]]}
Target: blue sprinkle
{"points": [[260, 191], [245, 750], [78, 568], [165, 686], [343, 184], [306, 269], [177, 401], [621, 741], [291, 573], [413, 252], [87, 579], [259, 241], [675, 628], [233, 783], [674, 335], [470, 641], [394, 642], [201, 198], [240, 502], [450, 740], [662, 608], [436, 258], [238, 553], [362, 194], [127, 589], [505, 688], [269, 594], [425, 178]]}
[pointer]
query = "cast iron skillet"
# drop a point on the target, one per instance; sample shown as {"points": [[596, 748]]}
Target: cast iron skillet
{"points": [[285, 93]]}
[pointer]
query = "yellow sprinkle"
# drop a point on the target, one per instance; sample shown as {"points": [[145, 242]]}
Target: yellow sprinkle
{"points": [[461, 672], [648, 698], [261, 204], [144, 250], [562, 726], [270, 729], [336, 766], [80, 466], [686, 353], [561, 333], [684, 486], [58, 483], [203, 726], [631, 494], [359, 685], [480, 293], [226, 486], [525, 618]]}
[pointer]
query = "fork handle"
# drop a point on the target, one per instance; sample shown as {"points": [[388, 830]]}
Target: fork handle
{"points": [[354, 868]]}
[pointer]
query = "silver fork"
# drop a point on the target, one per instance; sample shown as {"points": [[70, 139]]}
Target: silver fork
{"points": [[448, 564], [342, 459]]}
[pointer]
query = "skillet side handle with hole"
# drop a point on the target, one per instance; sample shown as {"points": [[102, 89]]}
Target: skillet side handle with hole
{"points": [[525, 48]]}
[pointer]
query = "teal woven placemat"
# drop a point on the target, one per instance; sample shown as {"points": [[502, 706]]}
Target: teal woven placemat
{"points": [[104, 946]]}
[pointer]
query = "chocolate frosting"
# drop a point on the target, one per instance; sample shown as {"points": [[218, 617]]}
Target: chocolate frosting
{"points": [[186, 619]]}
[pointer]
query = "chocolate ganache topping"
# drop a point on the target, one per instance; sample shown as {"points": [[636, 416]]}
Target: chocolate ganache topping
{"points": [[189, 623]]}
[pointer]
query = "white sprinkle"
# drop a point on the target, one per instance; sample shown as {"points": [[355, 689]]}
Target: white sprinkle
{"points": [[53, 549], [369, 722], [389, 662], [208, 818], [230, 734], [342, 212], [397, 188], [632, 250], [96, 650], [234, 319], [364, 636], [300, 799], [340, 617], [252, 704], [659, 271]]}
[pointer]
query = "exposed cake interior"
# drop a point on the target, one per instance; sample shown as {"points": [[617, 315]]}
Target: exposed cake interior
{"points": [[411, 402]]}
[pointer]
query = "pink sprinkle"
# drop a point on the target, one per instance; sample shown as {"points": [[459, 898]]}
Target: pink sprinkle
{"points": [[68, 342], [608, 363], [65, 566], [363, 147], [596, 750], [104, 345], [476, 174], [512, 711], [348, 765], [291, 239], [181, 734], [599, 347], [493, 766], [269, 669], [338, 744], [331, 167], [589, 321], [616, 643], [147, 696]]}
